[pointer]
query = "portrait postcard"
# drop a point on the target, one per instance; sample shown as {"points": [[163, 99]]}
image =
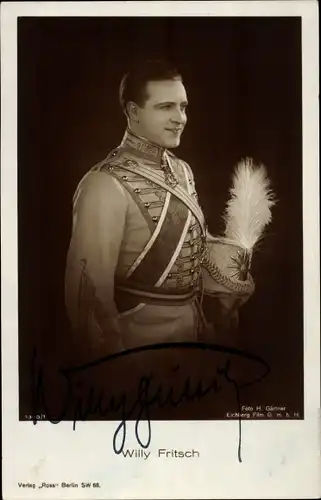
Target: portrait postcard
{"points": [[160, 250]]}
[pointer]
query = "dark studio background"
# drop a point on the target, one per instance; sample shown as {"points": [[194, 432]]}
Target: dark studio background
{"points": [[243, 78]]}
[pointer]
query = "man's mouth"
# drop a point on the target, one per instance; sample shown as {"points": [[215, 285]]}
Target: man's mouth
{"points": [[175, 130]]}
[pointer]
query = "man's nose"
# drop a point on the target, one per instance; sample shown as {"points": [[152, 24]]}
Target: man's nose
{"points": [[179, 116]]}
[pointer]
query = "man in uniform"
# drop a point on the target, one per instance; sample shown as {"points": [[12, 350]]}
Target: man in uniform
{"points": [[133, 274]]}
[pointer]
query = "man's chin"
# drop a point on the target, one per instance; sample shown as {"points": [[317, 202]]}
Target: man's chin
{"points": [[172, 144]]}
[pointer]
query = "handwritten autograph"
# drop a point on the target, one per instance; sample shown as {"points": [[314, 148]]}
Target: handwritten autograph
{"points": [[93, 403]]}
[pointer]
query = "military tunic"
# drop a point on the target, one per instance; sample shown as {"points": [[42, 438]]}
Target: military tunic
{"points": [[133, 268]]}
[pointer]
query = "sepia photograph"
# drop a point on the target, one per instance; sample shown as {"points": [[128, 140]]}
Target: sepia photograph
{"points": [[160, 203], [160, 276]]}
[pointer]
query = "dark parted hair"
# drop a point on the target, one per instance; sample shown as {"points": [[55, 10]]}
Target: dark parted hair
{"points": [[133, 83]]}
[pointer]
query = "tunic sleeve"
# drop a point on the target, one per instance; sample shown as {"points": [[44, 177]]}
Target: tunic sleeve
{"points": [[99, 216]]}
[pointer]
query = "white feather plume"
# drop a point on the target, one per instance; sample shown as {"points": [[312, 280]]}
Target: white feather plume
{"points": [[248, 211]]}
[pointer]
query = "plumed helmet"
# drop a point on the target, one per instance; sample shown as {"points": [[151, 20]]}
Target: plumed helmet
{"points": [[226, 269]]}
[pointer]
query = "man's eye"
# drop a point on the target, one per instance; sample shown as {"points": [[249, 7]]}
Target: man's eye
{"points": [[167, 106]]}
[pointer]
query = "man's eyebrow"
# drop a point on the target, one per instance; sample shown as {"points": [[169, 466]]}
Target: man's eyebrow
{"points": [[169, 102], [163, 103]]}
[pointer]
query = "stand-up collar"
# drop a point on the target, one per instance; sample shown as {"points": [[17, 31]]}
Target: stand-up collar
{"points": [[143, 147]]}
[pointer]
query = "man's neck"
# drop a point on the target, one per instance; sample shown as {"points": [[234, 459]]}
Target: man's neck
{"points": [[143, 146]]}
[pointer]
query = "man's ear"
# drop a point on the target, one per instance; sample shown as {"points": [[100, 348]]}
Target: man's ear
{"points": [[132, 111]]}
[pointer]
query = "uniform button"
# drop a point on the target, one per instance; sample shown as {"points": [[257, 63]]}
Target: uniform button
{"points": [[155, 218], [137, 190], [110, 167], [192, 271], [147, 204], [114, 153], [190, 229], [170, 275], [125, 178]]}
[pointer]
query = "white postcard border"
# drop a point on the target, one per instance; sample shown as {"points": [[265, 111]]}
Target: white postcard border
{"points": [[280, 458]]}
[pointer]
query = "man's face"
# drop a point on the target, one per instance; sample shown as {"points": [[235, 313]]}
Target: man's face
{"points": [[163, 116]]}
